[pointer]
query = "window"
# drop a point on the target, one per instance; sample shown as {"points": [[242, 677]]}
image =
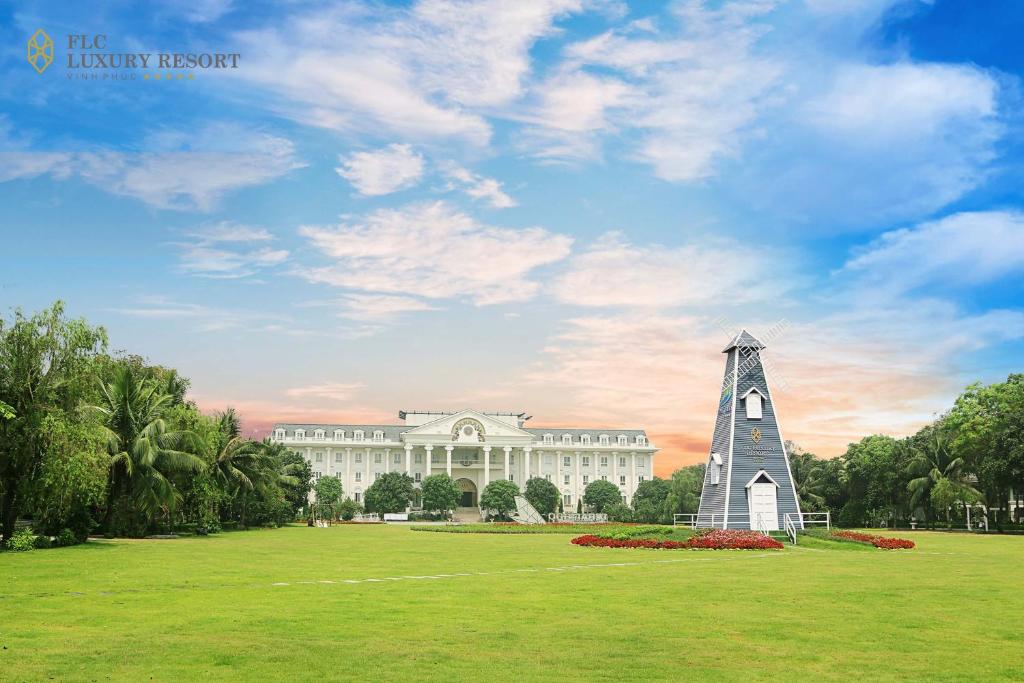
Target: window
{"points": [[416, 477], [279, 434], [549, 459], [622, 461], [318, 435], [337, 475], [378, 458], [339, 434], [359, 496], [641, 440], [604, 477], [337, 457], [511, 477], [376, 475], [418, 458], [585, 439], [359, 476], [357, 435], [604, 461], [397, 459], [316, 476], [640, 478], [566, 480], [586, 479], [566, 439], [640, 461], [622, 439], [716, 469], [548, 477], [319, 456], [604, 439], [378, 436], [566, 461], [622, 480], [586, 461], [359, 458], [566, 499], [300, 433], [753, 404], [512, 459], [549, 439]]}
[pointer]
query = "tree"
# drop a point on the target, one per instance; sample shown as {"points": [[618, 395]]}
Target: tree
{"points": [[328, 493], [440, 493], [297, 468], [805, 469], [499, 497], [6, 412], [600, 494], [942, 473], [650, 501], [392, 492], [685, 489], [542, 495], [45, 366], [237, 463], [144, 453]]}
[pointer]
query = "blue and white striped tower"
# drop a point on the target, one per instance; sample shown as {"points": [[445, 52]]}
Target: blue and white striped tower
{"points": [[748, 484]]}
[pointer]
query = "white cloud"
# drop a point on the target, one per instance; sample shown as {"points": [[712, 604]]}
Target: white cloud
{"points": [[615, 272], [432, 250], [380, 307], [384, 171], [214, 251], [331, 391], [187, 170], [421, 72], [965, 248], [203, 318], [478, 187]]}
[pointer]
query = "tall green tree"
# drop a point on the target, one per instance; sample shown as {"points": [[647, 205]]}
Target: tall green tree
{"points": [[328, 493], [45, 368], [601, 494], [391, 492], [650, 501], [685, 489], [939, 472], [440, 493], [542, 495], [499, 497], [144, 453]]}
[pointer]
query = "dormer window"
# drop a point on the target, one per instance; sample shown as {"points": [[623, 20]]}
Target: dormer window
{"points": [[603, 439], [585, 439], [752, 402], [566, 439], [716, 469], [549, 439], [300, 434], [641, 440], [378, 436], [358, 435], [622, 439], [339, 434], [279, 434], [318, 435]]}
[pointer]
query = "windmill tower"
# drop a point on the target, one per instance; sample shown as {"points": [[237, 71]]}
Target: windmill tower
{"points": [[748, 483]]}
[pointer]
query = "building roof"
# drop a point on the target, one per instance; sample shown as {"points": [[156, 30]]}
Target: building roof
{"points": [[391, 432], [744, 340]]}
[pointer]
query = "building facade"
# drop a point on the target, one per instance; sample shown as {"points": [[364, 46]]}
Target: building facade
{"points": [[474, 448]]}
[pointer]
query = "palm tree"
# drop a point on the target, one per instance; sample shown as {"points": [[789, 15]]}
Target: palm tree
{"points": [[236, 461], [806, 472], [940, 471], [144, 454]]}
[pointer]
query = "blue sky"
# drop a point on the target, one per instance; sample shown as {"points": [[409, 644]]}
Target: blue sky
{"points": [[557, 206]]}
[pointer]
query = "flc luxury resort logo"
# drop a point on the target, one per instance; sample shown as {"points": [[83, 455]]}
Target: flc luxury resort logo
{"points": [[40, 51], [90, 58]]}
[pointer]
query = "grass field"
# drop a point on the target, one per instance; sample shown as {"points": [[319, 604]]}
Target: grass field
{"points": [[352, 602]]}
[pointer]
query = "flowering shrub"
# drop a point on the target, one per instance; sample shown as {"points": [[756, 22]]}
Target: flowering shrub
{"points": [[877, 541], [717, 539]]}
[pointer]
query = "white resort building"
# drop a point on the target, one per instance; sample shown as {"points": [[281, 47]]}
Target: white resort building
{"points": [[474, 448]]}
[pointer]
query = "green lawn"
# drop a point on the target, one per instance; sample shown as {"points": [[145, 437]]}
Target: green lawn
{"points": [[531, 607]]}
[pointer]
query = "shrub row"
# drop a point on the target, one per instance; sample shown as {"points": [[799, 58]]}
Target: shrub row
{"points": [[717, 539], [883, 542]]}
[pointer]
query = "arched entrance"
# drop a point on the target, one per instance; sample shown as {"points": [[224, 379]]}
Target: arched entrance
{"points": [[468, 488]]}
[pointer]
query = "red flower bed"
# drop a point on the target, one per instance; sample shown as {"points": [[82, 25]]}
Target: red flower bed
{"points": [[877, 541], [717, 539]]}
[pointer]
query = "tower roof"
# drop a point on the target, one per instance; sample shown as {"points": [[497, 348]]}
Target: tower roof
{"points": [[744, 340]]}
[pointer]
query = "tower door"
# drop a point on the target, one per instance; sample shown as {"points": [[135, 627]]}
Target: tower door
{"points": [[764, 506]]}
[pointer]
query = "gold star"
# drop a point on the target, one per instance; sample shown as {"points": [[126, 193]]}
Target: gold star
{"points": [[170, 76], [181, 76], [145, 76], [191, 77], [156, 76]]}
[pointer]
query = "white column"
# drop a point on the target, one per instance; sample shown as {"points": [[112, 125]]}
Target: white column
{"points": [[526, 464], [632, 476], [558, 473], [428, 448], [369, 475], [508, 450], [615, 468], [487, 466], [408, 460], [448, 459], [348, 471], [578, 493], [387, 460]]}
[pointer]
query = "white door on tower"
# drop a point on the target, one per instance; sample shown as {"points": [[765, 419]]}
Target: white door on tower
{"points": [[764, 508]]}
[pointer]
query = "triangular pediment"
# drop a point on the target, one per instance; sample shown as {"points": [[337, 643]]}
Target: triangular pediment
{"points": [[467, 427]]}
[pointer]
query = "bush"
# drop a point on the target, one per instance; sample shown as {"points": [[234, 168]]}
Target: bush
{"points": [[542, 495], [347, 509], [67, 537], [43, 542], [22, 541], [619, 512], [439, 493], [499, 498], [428, 517], [601, 494]]}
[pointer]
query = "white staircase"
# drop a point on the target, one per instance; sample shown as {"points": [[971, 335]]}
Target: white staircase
{"points": [[526, 513]]}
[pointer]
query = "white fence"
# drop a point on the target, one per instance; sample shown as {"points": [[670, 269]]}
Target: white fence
{"points": [[366, 517]]}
